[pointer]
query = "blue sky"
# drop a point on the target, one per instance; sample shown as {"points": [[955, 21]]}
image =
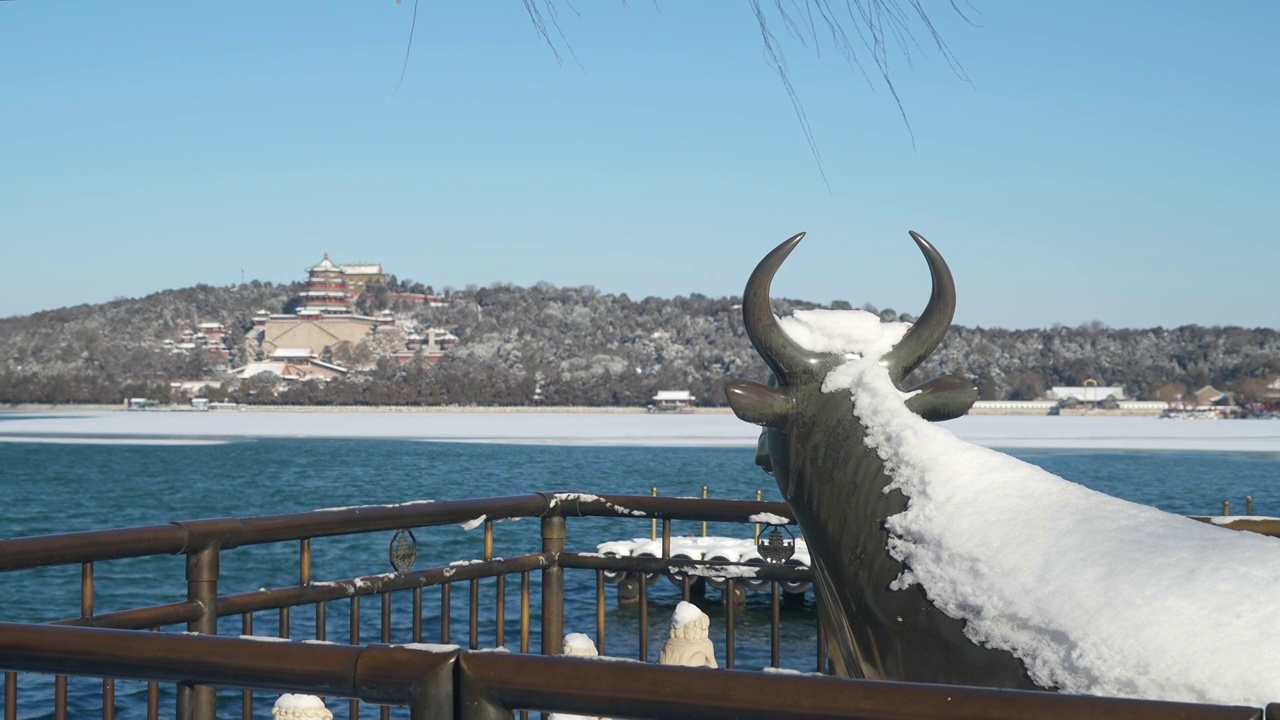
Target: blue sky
{"points": [[1113, 160]]}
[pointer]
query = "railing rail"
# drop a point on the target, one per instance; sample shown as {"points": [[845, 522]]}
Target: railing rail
{"points": [[191, 535], [451, 683]]}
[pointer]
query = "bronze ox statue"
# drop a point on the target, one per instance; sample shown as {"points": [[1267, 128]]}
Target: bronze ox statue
{"points": [[813, 446]]}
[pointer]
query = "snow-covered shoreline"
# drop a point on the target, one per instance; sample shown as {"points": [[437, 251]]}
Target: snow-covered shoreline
{"points": [[613, 429]]}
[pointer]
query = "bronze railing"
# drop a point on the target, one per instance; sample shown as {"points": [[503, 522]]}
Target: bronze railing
{"points": [[438, 681], [205, 543], [441, 682]]}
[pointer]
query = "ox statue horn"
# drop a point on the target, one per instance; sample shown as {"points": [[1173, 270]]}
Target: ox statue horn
{"points": [[814, 447]]}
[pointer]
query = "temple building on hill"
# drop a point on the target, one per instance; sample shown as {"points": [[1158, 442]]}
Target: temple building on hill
{"points": [[333, 288], [1089, 394], [325, 320], [359, 274], [433, 343], [210, 337], [313, 329], [672, 401], [292, 364], [326, 290]]}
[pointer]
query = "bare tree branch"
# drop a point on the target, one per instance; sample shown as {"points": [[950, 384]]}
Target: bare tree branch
{"points": [[876, 22], [413, 24], [779, 65]]}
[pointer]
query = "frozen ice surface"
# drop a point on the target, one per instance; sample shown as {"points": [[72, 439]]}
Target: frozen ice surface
{"points": [[613, 429]]}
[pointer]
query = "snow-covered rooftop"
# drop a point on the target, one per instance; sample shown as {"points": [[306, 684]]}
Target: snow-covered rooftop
{"points": [[257, 367], [1087, 393], [325, 265]]}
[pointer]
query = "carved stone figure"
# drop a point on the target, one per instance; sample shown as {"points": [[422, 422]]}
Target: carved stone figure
{"points": [[814, 447], [300, 707], [580, 645], [577, 645], [688, 643]]}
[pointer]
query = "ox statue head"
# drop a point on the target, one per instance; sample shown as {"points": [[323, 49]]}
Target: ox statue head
{"points": [[837, 488]]}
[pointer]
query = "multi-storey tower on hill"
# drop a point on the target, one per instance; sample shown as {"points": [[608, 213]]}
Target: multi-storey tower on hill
{"points": [[326, 290]]}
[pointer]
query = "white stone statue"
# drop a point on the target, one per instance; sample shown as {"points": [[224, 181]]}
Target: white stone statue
{"points": [[577, 645], [688, 643], [300, 707]]}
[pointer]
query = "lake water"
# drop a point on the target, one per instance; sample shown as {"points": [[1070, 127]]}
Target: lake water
{"points": [[53, 487]]}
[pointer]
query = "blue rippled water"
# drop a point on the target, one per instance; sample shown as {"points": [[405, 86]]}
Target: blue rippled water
{"points": [[56, 487]]}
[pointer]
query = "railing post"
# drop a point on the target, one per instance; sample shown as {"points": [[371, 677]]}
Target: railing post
{"points": [[198, 702], [553, 530]]}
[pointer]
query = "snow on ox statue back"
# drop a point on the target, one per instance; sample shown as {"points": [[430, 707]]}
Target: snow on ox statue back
{"points": [[936, 560], [838, 489]]}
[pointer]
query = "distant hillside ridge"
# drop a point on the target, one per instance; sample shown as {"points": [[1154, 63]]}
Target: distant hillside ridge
{"points": [[575, 346]]}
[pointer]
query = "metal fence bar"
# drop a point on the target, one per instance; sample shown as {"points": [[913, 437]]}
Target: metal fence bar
{"points": [[108, 699], [730, 631], [473, 615], [417, 614], [11, 696], [375, 673], [141, 618], [524, 612], [246, 696], [189, 535], [553, 536], [501, 588], [384, 712], [153, 700], [386, 618], [60, 697], [153, 696], [202, 588], [86, 590], [502, 682], [775, 624], [445, 612], [600, 601], [304, 561], [491, 685], [373, 584], [353, 622], [500, 611], [642, 626]]}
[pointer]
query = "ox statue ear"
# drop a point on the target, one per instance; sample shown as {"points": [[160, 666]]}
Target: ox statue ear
{"points": [[943, 398], [759, 404], [763, 459]]}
